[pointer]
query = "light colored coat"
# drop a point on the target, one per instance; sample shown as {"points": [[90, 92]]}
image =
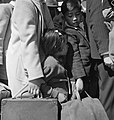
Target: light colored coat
{"points": [[5, 33], [24, 55]]}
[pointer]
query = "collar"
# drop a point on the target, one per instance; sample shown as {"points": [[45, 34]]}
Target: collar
{"points": [[80, 27]]}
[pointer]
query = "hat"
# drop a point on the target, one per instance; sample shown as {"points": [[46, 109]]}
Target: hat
{"points": [[52, 3]]}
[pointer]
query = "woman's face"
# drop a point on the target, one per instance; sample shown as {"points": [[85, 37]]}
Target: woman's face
{"points": [[73, 17]]}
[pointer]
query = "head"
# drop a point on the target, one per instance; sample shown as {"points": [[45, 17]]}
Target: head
{"points": [[71, 10], [55, 43]]}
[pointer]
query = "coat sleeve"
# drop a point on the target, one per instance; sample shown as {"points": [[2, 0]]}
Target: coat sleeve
{"points": [[5, 15], [95, 22], [100, 34], [53, 70], [74, 61], [25, 19], [99, 29]]}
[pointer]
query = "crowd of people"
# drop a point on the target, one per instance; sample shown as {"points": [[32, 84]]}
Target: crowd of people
{"points": [[52, 48]]}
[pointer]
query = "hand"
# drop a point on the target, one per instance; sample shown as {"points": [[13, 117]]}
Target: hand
{"points": [[105, 12], [76, 88], [73, 85], [62, 97], [34, 86], [79, 84], [108, 62]]}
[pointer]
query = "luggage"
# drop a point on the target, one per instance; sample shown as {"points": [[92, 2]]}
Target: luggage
{"points": [[29, 109], [85, 109], [5, 92]]}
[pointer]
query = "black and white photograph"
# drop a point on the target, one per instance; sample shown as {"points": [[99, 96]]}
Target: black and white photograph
{"points": [[56, 59]]}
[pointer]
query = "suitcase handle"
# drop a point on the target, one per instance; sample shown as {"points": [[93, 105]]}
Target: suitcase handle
{"points": [[21, 93], [76, 94], [31, 96]]}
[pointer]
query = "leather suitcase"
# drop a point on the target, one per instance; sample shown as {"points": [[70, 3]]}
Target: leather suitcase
{"points": [[29, 109]]}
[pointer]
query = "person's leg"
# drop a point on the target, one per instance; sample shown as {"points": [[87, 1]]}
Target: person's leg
{"points": [[94, 80], [106, 84]]}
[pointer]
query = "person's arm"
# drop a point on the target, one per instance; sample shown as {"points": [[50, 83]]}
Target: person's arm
{"points": [[53, 69], [101, 35], [25, 20], [75, 57], [5, 15]]}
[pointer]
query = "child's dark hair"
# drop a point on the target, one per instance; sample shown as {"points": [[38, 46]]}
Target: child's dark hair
{"points": [[51, 42], [74, 3]]}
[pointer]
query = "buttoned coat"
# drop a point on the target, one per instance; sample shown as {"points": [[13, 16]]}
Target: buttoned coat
{"points": [[24, 55], [5, 33], [78, 57]]}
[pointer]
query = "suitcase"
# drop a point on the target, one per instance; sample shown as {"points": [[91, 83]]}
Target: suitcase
{"points": [[83, 109], [29, 109]]}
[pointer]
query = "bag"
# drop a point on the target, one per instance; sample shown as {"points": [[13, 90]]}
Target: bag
{"points": [[85, 109], [29, 109], [5, 91]]}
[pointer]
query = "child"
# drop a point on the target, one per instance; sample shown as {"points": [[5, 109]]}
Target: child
{"points": [[79, 61], [55, 47]]}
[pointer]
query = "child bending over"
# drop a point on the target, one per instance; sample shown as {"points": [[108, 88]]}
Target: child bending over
{"points": [[55, 47]]}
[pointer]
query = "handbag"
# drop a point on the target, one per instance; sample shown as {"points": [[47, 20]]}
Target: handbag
{"points": [[86, 109]]}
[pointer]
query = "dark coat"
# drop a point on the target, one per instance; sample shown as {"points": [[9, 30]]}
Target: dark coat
{"points": [[98, 33], [78, 58], [76, 65], [99, 39]]}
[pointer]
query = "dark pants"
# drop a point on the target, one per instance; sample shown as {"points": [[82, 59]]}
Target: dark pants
{"points": [[91, 83], [106, 85]]}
